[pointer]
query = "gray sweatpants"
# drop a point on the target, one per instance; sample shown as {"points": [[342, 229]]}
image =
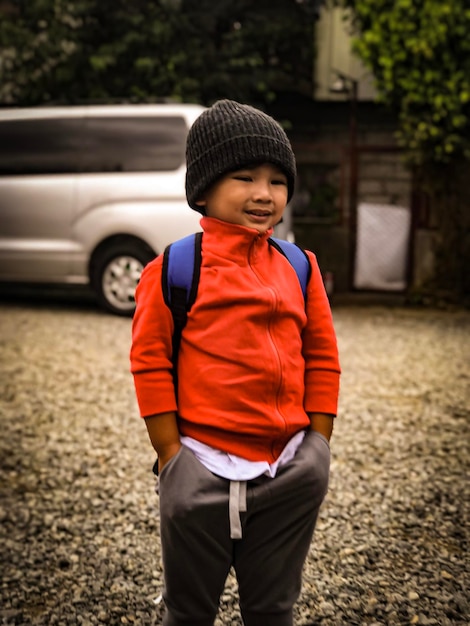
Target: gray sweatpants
{"points": [[276, 529]]}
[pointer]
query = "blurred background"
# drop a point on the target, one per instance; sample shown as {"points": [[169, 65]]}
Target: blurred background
{"points": [[374, 96]]}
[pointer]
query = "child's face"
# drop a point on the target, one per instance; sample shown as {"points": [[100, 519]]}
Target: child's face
{"points": [[255, 197]]}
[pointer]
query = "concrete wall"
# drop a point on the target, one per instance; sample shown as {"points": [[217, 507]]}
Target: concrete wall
{"points": [[334, 54], [321, 136], [382, 178]]}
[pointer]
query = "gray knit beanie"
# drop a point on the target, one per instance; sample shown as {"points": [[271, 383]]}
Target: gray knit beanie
{"points": [[230, 136]]}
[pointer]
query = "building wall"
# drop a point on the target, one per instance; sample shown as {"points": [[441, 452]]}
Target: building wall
{"points": [[347, 153], [325, 161], [333, 38]]}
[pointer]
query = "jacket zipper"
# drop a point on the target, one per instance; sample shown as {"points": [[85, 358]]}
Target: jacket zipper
{"points": [[268, 331]]}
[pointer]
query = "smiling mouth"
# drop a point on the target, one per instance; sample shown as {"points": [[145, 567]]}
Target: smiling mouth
{"points": [[258, 213]]}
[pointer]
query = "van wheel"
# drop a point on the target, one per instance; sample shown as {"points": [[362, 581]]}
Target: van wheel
{"points": [[115, 272]]}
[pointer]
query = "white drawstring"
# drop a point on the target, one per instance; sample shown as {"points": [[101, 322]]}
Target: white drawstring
{"points": [[236, 505]]}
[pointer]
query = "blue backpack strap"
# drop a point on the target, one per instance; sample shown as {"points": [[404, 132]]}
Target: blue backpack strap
{"points": [[297, 258], [181, 270], [180, 280]]}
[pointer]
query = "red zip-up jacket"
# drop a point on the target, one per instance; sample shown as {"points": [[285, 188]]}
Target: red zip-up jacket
{"points": [[255, 357]]}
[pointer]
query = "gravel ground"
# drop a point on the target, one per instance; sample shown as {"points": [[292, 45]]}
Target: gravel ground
{"points": [[79, 519]]}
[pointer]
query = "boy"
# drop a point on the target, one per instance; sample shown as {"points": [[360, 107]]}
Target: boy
{"points": [[242, 446]]}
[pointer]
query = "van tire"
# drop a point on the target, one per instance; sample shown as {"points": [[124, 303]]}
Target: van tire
{"points": [[115, 271]]}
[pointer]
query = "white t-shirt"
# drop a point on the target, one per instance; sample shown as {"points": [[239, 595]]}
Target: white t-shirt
{"points": [[234, 467]]}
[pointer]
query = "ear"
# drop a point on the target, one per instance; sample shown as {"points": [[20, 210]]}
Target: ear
{"points": [[201, 202]]}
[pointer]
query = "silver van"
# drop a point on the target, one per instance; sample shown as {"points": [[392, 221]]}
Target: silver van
{"points": [[88, 195]]}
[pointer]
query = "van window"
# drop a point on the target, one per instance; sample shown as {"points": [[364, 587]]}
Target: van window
{"points": [[42, 146], [134, 144], [97, 144]]}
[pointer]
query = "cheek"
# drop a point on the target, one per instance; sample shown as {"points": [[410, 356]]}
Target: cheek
{"points": [[222, 211], [281, 196]]}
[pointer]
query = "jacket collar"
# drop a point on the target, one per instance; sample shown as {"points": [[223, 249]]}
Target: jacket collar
{"points": [[232, 240]]}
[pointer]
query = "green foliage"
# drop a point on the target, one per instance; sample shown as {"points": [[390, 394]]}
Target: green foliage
{"points": [[190, 50], [419, 53]]}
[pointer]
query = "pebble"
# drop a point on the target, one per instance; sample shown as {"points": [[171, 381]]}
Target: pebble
{"points": [[79, 516]]}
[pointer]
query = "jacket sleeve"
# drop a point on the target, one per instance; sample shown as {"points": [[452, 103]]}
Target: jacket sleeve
{"points": [[151, 350], [320, 351]]}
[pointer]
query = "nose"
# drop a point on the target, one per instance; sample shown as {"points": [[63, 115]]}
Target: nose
{"points": [[262, 191]]}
